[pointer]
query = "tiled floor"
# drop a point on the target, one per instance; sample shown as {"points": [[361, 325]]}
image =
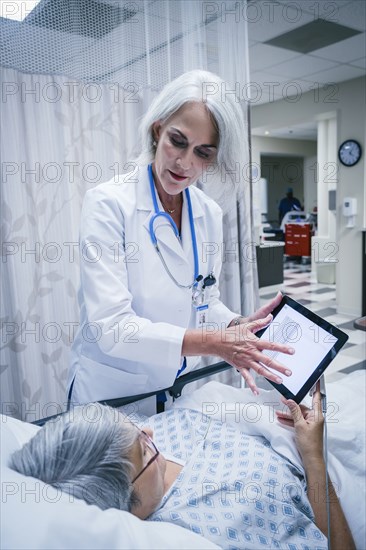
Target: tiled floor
{"points": [[301, 285]]}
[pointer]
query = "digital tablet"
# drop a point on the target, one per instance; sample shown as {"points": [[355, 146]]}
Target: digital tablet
{"points": [[316, 343]]}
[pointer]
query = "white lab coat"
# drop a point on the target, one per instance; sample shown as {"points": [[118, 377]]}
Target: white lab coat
{"points": [[132, 316]]}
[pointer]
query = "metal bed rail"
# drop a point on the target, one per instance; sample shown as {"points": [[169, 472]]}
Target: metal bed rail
{"points": [[175, 390]]}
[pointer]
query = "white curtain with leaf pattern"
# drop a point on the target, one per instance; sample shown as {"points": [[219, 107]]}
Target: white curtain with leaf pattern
{"points": [[62, 136], [52, 153]]}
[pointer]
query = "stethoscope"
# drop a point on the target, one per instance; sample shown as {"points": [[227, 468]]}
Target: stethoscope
{"points": [[207, 281]]}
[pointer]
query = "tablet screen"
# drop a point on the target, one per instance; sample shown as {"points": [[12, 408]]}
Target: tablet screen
{"points": [[316, 343]]}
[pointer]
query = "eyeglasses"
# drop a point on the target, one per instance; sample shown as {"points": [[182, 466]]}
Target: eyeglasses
{"points": [[150, 445]]}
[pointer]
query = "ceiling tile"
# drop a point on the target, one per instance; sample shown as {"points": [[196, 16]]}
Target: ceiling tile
{"points": [[344, 51], [293, 89], [264, 87], [359, 63], [264, 76], [330, 11], [337, 74], [263, 84], [263, 97], [263, 57], [301, 66], [354, 15], [272, 74]]}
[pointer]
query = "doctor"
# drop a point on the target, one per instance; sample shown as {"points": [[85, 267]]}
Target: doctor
{"points": [[149, 298]]}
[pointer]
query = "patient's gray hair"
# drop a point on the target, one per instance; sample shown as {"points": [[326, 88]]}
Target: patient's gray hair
{"points": [[84, 453]]}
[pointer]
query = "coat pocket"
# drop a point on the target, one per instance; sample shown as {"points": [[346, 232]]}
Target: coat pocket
{"points": [[96, 381]]}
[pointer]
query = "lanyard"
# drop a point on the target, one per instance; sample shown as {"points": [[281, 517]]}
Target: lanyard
{"points": [[176, 232]]}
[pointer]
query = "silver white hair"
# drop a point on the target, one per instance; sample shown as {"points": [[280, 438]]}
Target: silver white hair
{"points": [[223, 104], [84, 453]]}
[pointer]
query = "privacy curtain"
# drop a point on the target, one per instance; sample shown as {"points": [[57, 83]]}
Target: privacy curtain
{"points": [[76, 78]]}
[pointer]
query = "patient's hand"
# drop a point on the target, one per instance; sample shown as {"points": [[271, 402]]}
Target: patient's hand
{"points": [[308, 424]]}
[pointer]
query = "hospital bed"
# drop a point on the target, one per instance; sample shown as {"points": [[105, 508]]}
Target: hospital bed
{"points": [[34, 515]]}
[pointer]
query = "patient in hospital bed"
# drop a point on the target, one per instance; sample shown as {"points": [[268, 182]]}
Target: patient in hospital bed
{"points": [[212, 476]]}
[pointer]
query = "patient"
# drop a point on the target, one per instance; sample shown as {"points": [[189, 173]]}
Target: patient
{"points": [[213, 478]]}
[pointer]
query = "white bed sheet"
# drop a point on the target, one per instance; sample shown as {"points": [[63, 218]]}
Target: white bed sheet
{"points": [[46, 519], [346, 415]]}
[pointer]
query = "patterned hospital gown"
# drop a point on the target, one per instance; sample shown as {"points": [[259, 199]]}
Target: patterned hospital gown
{"points": [[234, 489]]}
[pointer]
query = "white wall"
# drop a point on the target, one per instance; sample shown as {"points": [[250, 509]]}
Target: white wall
{"points": [[347, 101], [310, 195], [277, 146]]}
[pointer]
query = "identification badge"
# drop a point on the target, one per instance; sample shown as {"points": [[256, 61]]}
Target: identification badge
{"points": [[201, 314]]}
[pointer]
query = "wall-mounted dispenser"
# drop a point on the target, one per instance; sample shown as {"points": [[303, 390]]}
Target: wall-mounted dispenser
{"points": [[350, 210]]}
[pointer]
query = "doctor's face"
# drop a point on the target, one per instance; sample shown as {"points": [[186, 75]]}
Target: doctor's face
{"points": [[186, 145]]}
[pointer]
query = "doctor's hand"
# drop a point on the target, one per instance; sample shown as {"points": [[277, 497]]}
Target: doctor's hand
{"points": [[241, 348], [264, 310]]}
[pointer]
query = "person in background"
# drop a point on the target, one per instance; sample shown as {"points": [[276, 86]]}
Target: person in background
{"points": [[288, 203]]}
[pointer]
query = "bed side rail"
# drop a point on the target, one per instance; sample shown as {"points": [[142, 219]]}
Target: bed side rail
{"points": [[175, 390]]}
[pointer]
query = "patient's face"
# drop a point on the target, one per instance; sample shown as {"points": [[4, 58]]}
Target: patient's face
{"points": [[150, 485]]}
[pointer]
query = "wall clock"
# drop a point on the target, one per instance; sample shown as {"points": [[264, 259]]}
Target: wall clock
{"points": [[349, 152]]}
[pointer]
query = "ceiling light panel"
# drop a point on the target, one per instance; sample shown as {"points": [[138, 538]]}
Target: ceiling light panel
{"points": [[312, 36], [268, 19]]}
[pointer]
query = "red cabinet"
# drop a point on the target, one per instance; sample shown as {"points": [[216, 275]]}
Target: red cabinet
{"points": [[298, 239]]}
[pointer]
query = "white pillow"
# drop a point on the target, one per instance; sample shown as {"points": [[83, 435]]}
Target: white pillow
{"points": [[35, 515]]}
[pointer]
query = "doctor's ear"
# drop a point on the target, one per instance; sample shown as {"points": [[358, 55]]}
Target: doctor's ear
{"points": [[156, 130]]}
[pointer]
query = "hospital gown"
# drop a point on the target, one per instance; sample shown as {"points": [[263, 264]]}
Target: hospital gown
{"points": [[234, 489]]}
